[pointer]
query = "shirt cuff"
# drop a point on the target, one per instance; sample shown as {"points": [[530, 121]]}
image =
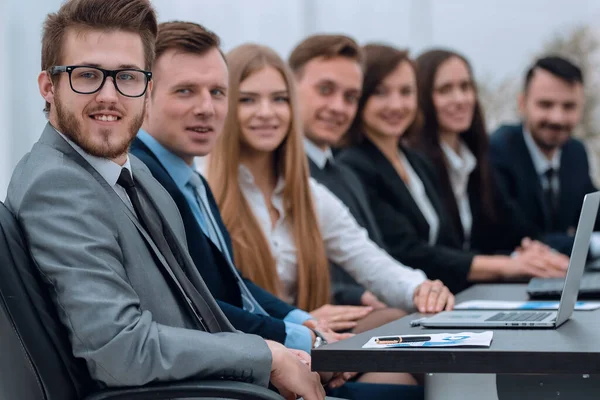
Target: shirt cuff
{"points": [[410, 293], [595, 245], [298, 316], [297, 337]]}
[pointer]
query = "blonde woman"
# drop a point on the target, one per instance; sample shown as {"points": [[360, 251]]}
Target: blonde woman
{"points": [[284, 226]]}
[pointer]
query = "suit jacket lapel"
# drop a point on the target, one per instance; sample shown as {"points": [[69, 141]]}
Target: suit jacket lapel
{"points": [[527, 168], [568, 185], [395, 184], [52, 138], [151, 187]]}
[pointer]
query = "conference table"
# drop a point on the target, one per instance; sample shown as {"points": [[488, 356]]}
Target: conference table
{"points": [[561, 363]]}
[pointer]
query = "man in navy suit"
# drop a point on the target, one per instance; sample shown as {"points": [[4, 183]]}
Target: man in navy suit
{"points": [[184, 116], [543, 169]]}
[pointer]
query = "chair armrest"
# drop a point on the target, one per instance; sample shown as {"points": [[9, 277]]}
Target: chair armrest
{"points": [[189, 389]]}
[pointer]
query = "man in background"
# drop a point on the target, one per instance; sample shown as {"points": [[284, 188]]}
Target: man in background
{"points": [[541, 167]]}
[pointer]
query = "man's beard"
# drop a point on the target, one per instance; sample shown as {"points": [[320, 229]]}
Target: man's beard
{"points": [[71, 127], [539, 138]]}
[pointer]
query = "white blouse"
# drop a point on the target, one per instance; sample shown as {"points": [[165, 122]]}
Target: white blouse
{"points": [[417, 190], [460, 166], [346, 244]]}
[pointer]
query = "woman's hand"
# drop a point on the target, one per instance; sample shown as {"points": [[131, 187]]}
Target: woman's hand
{"points": [[537, 260], [433, 297], [339, 318]]}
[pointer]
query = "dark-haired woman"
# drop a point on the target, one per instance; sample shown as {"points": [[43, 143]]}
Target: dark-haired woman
{"points": [[404, 188]]}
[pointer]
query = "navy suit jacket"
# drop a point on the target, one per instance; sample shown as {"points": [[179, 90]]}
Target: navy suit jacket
{"points": [[519, 180], [212, 264]]}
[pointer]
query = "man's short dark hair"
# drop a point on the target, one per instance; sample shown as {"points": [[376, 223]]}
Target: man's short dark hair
{"points": [[327, 46], [187, 37], [557, 66]]}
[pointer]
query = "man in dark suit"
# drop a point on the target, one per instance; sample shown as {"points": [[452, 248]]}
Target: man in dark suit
{"points": [[540, 166], [107, 238], [328, 70]]}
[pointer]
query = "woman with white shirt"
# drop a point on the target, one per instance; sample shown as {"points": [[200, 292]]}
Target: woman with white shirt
{"points": [[403, 186], [454, 138], [284, 225]]}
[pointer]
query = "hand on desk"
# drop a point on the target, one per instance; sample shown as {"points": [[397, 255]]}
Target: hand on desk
{"points": [[340, 318], [536, 259], [433, 297], [326, 331]]}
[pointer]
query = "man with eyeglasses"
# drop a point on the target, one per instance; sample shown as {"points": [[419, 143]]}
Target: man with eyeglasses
{"points": [[107, 238]]}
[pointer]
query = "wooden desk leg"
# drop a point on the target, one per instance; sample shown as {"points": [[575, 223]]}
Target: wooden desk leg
{"points": [[508, 387]]}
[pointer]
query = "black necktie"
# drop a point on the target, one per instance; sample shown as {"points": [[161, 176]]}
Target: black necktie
{"points": [[165, 243], [330, 165], [551, 195]]}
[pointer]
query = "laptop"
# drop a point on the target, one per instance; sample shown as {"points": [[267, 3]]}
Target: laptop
{"points": [[551, 288], [534, 319]]}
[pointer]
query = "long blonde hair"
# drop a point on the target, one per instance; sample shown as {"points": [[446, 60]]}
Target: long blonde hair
{"points": [[251, 249]]}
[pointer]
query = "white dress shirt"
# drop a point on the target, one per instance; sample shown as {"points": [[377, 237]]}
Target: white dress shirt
{"points": [[316, 154], [460, 166], [542, 164], [346, 244], [417, 190], [108, 169]]}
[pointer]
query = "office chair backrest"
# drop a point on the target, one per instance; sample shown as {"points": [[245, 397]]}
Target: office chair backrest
{"points": [[36, 361]]}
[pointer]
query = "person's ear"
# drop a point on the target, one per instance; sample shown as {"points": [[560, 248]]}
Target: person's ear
{"points": [[46, 86]]}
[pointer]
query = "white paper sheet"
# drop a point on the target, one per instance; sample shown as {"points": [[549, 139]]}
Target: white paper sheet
{"points": [[462, 339]]}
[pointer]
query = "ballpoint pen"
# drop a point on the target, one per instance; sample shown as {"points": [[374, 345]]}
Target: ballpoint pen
{"points": [[401, 339]]}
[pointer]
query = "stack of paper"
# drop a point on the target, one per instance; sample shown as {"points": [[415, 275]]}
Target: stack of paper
{"points": [[462, 339]]}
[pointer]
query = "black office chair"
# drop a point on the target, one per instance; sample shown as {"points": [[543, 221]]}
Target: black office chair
{"points": [[36, 362]]}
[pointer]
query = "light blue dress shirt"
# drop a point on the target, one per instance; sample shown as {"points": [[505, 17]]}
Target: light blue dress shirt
{"points": [[297, 335]]}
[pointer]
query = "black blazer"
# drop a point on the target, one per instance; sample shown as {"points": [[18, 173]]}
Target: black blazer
{"points": [[346, 186], [404, 228], [519, 180], [500, 235], [212, 264]]}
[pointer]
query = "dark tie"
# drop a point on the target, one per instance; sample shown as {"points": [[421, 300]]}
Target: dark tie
{"points": [[165, 243], [551, 195]]}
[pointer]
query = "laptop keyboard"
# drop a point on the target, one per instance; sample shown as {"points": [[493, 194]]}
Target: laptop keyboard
{"points": [[519, 316]]}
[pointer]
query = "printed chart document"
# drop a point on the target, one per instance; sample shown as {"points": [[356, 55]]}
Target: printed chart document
{"points": [[523, 305], [461, 339]]}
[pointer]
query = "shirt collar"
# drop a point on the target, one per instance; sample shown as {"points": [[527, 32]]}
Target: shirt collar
{"points": [[247, 178], [108, 169], [540, 162], [316, 154], [177, 169], [463, 163]]}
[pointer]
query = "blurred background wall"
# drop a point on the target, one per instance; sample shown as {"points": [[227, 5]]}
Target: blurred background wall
{"points": [[499, 37]]}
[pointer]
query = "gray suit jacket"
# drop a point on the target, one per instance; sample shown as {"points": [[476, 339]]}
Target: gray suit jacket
{"points": [[123, 317]]}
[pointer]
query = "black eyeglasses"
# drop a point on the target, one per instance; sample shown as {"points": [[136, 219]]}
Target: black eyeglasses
{"points": [[87, 80]]}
